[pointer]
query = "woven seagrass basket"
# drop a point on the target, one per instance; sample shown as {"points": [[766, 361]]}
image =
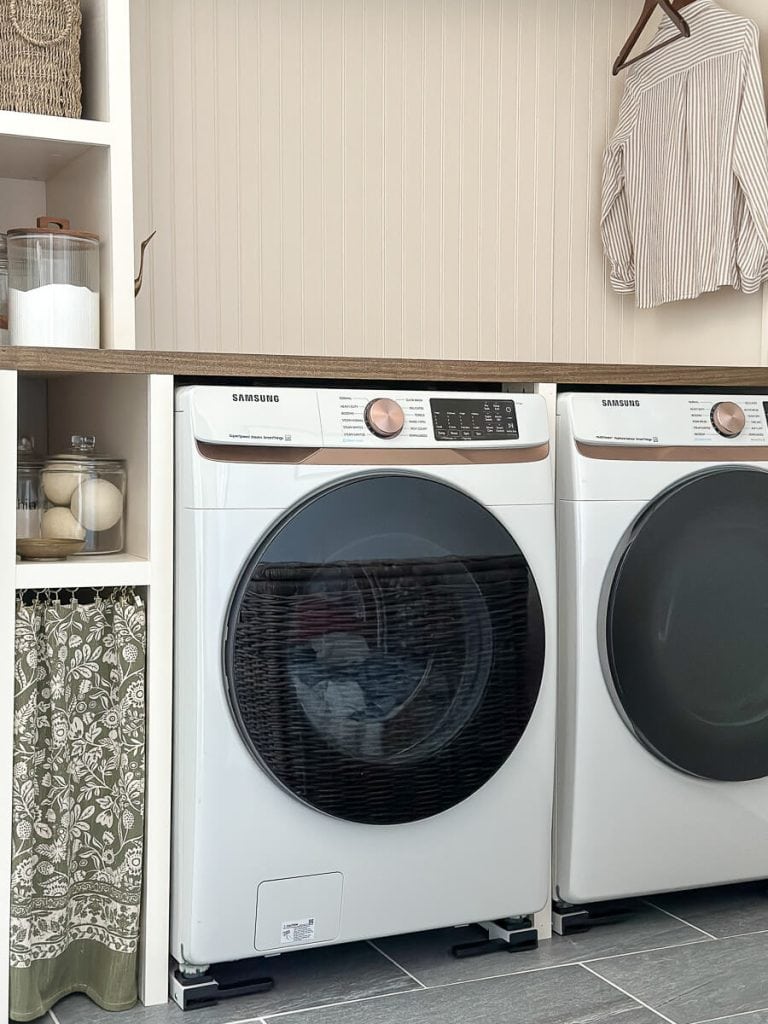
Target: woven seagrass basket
{"points": [[40, 56]]}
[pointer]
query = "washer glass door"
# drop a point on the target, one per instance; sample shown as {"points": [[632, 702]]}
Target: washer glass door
{"points": [[384, 649], [687, 626]]}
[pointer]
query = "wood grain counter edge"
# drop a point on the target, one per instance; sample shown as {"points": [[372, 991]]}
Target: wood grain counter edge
{"points": [[44, 361]]}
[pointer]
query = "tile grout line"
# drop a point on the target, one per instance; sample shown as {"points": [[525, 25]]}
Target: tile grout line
{"points": [[639, 952], [629, 995], [743, 935], [340, 1003], [396, 964], [53, 1017], [680, 919], [734, 1016], [567, 963]]}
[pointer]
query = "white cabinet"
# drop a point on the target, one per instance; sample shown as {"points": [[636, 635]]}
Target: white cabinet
{"points": [[133, 417], [82, 170]]}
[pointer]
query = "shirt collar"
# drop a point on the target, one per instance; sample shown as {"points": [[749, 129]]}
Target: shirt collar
{"points": [[691, 13], [696, 7]]}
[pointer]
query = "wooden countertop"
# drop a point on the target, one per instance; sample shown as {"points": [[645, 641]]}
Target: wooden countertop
{"points": [[44, 361]]}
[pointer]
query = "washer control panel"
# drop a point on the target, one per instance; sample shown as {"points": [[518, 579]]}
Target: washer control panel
{"points": [[364, 418], [440, 419], [465, 419], [670, 420]]}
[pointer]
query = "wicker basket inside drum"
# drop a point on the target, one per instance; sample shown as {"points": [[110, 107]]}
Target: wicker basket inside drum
{"points": [[40, 56]]}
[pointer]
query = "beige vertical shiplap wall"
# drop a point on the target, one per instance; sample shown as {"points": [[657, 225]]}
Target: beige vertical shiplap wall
{"points": [[393, 177]]}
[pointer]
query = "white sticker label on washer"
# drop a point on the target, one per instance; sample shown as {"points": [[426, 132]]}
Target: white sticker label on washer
{"points": [[293, 932]]}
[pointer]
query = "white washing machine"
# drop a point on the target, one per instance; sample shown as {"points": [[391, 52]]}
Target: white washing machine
{"points": [[364, 667], [662, 779]]}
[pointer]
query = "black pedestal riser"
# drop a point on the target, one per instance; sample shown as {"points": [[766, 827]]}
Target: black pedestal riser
{"points": [[517, 936], [215, 986], [571, 920]]}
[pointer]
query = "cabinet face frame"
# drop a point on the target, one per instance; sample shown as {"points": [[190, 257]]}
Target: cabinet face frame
{"points": [[155, 932], [8, 405], [134, 416]]}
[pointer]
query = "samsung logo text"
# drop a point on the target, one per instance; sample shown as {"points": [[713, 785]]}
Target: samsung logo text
{"points": [[255, 398]]}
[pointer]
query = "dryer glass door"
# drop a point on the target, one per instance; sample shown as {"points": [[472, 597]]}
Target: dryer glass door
{"points": [[384, 649], [687, 626]]}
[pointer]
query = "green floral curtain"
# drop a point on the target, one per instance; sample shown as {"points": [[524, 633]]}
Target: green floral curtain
{"points": [[78, 801]]}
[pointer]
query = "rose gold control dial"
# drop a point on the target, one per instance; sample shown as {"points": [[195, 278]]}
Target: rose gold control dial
{"points": [[728, 419], [384, 418]]}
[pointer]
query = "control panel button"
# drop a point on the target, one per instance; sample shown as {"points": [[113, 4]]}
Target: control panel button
{"points": [[384, 418], [728, 419]]}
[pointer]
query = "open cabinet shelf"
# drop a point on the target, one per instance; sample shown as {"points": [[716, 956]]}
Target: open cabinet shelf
{"points": [[84, 571], [36, 148], [115, 410], [132, 418], [81, 168]]}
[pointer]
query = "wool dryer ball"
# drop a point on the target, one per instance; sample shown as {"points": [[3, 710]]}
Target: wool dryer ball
{"points": [[97, 504], [60, 524], [59, 485]]}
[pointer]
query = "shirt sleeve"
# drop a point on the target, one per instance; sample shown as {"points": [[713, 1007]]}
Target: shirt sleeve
{"points": [[750, 165], [615, 221]]}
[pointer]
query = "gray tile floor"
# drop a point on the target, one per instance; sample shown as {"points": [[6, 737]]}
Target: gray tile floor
{"points": [[685, 958]]}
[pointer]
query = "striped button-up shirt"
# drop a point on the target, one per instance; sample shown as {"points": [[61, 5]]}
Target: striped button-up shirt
{"points": [[685, 176]]}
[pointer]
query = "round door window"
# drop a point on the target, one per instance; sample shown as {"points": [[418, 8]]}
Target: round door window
{"points": [[687, 626], [384, 649]]}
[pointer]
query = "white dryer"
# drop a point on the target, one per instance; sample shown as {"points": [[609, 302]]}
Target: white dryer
{"points": [[364, 666], [662, 779]]}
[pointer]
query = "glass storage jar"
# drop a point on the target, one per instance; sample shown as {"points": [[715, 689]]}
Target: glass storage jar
{"points": [[53, 286], [28, 466], [83, 496], [3, 290]]}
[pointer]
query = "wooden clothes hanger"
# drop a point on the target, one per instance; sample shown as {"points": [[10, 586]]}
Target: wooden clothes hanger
{"points": [[672, 9]]}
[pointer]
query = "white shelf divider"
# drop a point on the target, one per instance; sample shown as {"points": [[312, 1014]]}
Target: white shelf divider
{"points": [[84, 571], [37, 147], [155, 938], [55, 129], [8, 393], [120, 303]]}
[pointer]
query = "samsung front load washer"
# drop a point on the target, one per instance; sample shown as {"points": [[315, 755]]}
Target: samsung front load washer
{"points": [[662, 779], [364, 665]]}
